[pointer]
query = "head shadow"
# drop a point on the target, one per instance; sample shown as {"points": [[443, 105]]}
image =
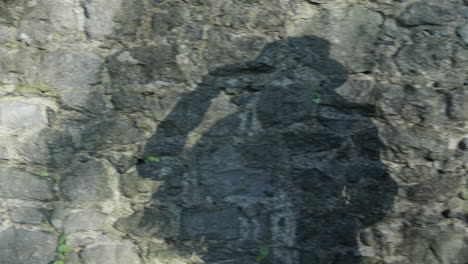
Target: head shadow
{"points": [[278, 161]]}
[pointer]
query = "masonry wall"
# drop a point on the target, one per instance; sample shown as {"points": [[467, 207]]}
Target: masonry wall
{"points": [[233, 131]]}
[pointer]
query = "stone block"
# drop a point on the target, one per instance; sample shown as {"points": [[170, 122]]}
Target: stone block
{"points": [[26, 246], [218, 224], [225, 173], [43, 20], [437, 244], [85, 181], [20, 115], [463, 32], [99, 20], [421, 13], [28, 215], [72, 72], [134, 66], [119, 253], [152, 221], [86, 220], [109, 132], [18, 184]]}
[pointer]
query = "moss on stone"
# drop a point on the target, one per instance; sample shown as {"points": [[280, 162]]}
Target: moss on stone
{"points": [[35, 88]]}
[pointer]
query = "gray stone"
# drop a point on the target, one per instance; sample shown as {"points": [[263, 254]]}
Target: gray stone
{"points": [[163, 23], [7, 33], [108, 133], [27, 247], [7, 14], [225, 47], [43, 20], [464, 12], [218, 224], [18, 66], [357, 25], [5, 154], [463, 32], [85, 181], [121, 253], [99, 20], [224, 173], [143, 65], [156, 2], [71, 69], [438, 244], [421, 13], [28, 215], [86, 220], [127, 100], [73, 72], [153, 222], [360, 26], [425, 58], [18, 184], [50, 147], [127, 20], [19, 115]]}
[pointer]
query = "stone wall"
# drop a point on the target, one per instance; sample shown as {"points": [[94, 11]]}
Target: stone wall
{"points": [[233, 131]]}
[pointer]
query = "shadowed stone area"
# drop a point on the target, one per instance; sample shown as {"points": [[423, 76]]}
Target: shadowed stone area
{"points": [[233, 131], [292, 166]]}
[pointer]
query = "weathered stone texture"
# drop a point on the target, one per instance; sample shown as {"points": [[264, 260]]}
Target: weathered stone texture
{"points": [[20, 115], [246, 131], [85, 181], [19, 184], [25, 246], [108, 254]]}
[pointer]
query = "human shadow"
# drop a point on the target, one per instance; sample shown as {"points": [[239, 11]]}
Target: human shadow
{"points": [[266, 163]]}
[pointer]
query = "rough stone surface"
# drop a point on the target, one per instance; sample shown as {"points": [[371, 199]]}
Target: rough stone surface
{"points": [[463, 32], [20, 184], [19, 115], [213, 224], [73, 73], [85, 220], [25, 246], [108, 133], [246, 131], [422, 13], [85, 181], [114, 253], [99, 20], [28, 215]]}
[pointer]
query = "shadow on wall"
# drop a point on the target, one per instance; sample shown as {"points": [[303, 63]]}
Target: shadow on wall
{"points": [[265, 163]]}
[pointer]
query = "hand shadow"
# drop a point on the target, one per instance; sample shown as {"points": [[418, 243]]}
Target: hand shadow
{"points": [[292, 169]]}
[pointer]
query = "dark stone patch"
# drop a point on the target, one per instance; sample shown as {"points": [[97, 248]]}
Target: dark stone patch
{"points": [[216, 224], [85, 181], [152, 63], [124, 100], [108, 133]]}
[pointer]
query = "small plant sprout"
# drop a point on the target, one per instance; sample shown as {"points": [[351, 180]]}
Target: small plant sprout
{"points": [[152, 159], [317, 98], [61, 249], [262, 254], [57, 178], [44, 174]]}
